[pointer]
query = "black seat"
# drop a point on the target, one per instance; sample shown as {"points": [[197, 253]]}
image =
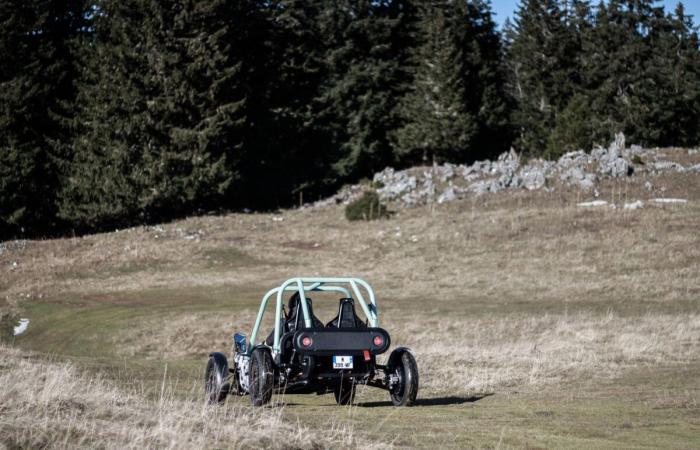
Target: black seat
{"points": [[296, 322], [295, 319], [346, 317]]}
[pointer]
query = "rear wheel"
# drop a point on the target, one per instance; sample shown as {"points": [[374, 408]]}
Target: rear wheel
{"points": [[405, 388], [215, 386], [261, 377], [344, 393]]}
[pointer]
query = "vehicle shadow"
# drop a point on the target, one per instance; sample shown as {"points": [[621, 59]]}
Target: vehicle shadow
{"points": [[434, 401]]}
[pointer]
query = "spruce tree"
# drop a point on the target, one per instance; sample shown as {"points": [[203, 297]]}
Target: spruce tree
{"points": [[574, 127], [437, 125], [38, 42], [162, 119], [484, 78], [619, 69], [675, 68], [542, 59], [292, 153], [363, 83]]}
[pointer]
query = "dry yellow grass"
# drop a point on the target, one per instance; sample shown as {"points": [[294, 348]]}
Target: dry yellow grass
{"points": [[473, 355], [47, 404], [495, 354]]}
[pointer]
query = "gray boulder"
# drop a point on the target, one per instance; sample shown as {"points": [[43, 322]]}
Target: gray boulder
{"points": [[481, 187], [578, 158], [599, 153], [482, 167], [394, 183], [507, 162], [448, 195], [575, 176], [612, 164], [618, 145], [445, 172], [533, 177], [662, 166], [617, 167]]}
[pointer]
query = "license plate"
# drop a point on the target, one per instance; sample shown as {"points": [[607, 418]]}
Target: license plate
{"points": [[342, 362]]}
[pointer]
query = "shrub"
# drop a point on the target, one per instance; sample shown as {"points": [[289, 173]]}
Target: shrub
{"points": [[8, 321], [637, 160], [367, 207]]}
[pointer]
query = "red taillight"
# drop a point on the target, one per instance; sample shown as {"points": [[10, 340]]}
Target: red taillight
{"points": [[306, 341], [378, 341]]}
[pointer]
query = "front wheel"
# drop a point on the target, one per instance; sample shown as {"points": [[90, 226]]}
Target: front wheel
{"points": [[405, 377], [215, 386], [261, 377]]}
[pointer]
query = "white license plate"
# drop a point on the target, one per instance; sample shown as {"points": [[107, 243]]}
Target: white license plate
{"points": [[342, 362]]}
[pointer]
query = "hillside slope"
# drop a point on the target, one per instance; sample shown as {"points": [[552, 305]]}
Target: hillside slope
{"points": [[535, 321]]}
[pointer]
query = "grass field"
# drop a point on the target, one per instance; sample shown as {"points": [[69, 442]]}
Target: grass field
{"points": [[536, 323]]}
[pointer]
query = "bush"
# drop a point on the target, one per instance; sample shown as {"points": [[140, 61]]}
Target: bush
{"points": [[7, 326], [637, 160], [367, 207]]}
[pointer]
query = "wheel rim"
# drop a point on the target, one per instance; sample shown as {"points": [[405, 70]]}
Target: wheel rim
{"points": [[255, 372], [397, 392]]}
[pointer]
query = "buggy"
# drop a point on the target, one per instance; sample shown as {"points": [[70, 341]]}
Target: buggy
{"points": [[302, 355]]}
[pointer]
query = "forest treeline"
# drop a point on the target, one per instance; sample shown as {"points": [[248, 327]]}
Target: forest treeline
{"points": [[118, 112]]}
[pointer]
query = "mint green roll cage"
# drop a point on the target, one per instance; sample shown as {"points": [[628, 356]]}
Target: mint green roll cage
{"points": [[302, 285]]}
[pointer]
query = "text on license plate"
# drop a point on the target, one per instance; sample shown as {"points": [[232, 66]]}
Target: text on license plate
{"points": [[342, 362]]}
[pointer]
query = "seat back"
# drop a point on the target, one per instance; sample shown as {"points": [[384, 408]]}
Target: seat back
{"points": [[294, 321], [346, 318], [298, 317]]}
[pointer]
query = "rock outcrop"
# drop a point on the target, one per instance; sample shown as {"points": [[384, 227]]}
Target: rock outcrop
{"points": [[448, 182]]}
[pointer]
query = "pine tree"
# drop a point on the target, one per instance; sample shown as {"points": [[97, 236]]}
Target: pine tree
{"points": [[292, 156], [675, 68], [542, 58], [437, 125], [162, 119], [38, 41], [484, 75], [363, 83], [574, 127], [617, 73]]}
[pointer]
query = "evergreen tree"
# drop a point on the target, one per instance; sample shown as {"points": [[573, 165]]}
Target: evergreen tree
{"points": [[437, 125], [162, 120], [292, 151], [675, 69], [364, 83], [574, 128], [38, 41], [617, 70], [542, 58], [484, 78]]}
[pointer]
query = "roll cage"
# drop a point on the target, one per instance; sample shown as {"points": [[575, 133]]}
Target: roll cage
{"points": [[311, 284]]}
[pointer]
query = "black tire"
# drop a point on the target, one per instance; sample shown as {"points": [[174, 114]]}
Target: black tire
{"points": [[344, 393], [261, 377], [405, 390], [215, 379]]}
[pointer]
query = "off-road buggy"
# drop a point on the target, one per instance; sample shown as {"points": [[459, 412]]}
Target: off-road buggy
{"points": [[302, 355]]}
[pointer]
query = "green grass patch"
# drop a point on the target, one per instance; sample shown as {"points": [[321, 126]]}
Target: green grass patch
{"points": [[128, 268], [228, 258]]}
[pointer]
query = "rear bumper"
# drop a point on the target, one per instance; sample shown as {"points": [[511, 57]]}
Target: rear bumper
{"points": [[339, 341]]}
